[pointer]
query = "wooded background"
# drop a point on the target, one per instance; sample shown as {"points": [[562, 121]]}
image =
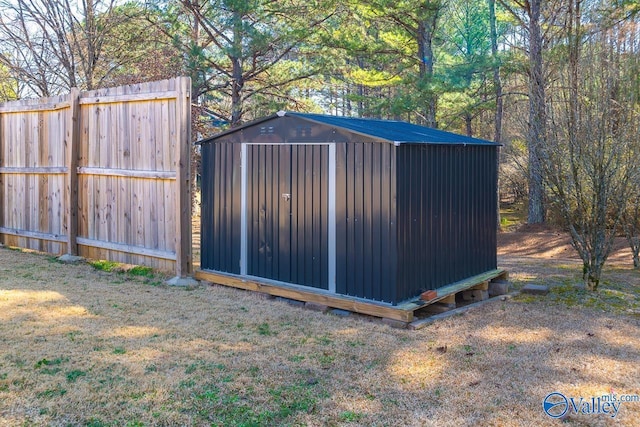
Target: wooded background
{"points": [[104, 174], [556, 81]]}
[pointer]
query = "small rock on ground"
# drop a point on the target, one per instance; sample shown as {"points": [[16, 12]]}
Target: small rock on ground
{"points": [[535, 289], [70, 259], [498, 288], [339, 312], [183, 281]]}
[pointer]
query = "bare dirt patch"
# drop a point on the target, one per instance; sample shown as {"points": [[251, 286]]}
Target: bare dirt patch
{"points": [[86, 347], [550, 244]]}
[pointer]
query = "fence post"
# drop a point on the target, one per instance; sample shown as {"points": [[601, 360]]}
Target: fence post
{"points": [[183, 178], [72, 136]]}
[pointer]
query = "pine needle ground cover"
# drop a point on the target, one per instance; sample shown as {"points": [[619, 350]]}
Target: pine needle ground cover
{"points": [[91, 345]]}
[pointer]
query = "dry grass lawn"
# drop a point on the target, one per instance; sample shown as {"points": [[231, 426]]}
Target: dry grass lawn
{"points": [[80, 346]]}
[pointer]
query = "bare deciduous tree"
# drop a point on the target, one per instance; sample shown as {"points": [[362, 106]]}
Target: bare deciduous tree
{"points": [[51, 46], [590, 161]]}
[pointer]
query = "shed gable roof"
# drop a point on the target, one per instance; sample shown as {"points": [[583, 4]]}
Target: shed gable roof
{"points": [[392, 131]]}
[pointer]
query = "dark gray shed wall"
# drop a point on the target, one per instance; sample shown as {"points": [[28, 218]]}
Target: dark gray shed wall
{"points": [[447, 219], [366, 220], [220, 217]]}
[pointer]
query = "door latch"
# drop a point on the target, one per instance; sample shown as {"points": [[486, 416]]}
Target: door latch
{"points": [[286, 196]]}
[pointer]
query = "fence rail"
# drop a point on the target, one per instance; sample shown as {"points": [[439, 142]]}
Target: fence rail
{"points": [[103, 174]]}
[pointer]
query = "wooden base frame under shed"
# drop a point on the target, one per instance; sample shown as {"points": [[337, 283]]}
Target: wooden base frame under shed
{"points": [[401, 312], [358, 214]]}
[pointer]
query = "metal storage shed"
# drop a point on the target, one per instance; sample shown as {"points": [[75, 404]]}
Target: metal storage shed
{"points": [[365, 210]]}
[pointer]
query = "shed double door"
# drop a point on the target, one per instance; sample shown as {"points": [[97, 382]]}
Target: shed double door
{"points": [[287, 213]]}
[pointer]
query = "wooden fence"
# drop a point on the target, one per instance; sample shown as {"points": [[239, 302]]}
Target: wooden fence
{"points": [[102, 174]]}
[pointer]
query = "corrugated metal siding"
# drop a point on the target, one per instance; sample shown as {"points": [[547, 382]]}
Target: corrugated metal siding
{"points": [[446, 215], [365, 221], [287, 213], [220, 222]]}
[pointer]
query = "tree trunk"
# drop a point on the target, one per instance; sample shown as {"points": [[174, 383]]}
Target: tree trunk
{"points": [[426, 29], [237, 79], [497, 84], [573, 30], [236, 93], [468, 124], [537, 117], [196, 85]]}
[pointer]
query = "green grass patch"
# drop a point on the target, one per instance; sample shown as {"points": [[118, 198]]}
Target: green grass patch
{"points": [[119, 350], [350, 417], [52, 392], [324, 340], [103, 265], [525, 298], [46, 362], [96, 422], [265, 329], [212, 393], [50, 371], [141, 271], [4, 386], [187, 384], [220, 408], [326, 359], [294, 398], [610, 297], [512, 215], [72, 376]]}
